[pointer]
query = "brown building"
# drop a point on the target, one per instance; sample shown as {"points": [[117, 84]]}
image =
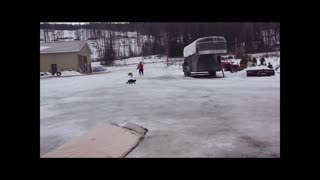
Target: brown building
{"points": [[65, 56]]}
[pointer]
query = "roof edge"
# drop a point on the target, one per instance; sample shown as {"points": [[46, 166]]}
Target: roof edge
{"points": [[88, 46], [59, 52]]}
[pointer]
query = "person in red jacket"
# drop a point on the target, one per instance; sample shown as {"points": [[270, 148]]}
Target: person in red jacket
{"points": [[140, 67]]}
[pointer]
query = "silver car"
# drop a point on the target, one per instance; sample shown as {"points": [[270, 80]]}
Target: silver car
{"points": [[98, 68]]}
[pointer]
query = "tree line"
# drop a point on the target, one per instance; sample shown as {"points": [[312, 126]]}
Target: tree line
{"points": [[161, 38]]}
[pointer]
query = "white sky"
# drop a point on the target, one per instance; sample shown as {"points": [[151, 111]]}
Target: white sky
{"points": [[69, 22], [76, 22]]}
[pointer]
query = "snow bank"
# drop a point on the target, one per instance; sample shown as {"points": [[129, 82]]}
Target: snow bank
{"points": [[63, 74], [44, 47], [95, 64], [232, 61], [257, 68], [137, 60], [259, 55], [70, 73], [45, 74]]}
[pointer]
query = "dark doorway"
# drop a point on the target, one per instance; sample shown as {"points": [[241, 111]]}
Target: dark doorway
{"points": [[54, 69]]}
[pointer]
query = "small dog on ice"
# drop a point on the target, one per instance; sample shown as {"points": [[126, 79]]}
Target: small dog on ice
{"points": [[130, 74], [130, 81]]}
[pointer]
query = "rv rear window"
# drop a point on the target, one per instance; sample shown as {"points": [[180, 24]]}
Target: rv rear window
{"points": [[220, 39], [206, 40], [220, 45]]}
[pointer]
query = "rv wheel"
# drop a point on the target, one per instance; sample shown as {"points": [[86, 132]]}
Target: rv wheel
{"points": [[212, 73]]}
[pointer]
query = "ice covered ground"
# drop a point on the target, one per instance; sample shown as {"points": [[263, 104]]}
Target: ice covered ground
{"points": [[236, 116]]}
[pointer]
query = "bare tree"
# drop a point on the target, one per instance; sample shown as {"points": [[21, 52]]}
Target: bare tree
{"points": [[139, 43], [53, 32], [46, 32], [59, 34], [123, 45], [77, 34]]}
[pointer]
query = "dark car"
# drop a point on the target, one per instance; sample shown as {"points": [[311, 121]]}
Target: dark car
{"points": [[228, 66], [260, 71]]}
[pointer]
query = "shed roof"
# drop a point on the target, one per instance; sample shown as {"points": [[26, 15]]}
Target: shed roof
{"points": [[62, 47]]}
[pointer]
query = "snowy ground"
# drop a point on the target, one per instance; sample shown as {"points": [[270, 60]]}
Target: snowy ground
{"points": [[63, 74], [236, 116], [259, 55]]}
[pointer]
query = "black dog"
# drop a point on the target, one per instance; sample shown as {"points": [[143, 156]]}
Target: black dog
{"points": [[131, 81]]}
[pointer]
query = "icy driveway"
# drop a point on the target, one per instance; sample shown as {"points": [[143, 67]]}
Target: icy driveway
{"points": [[186, 117]]}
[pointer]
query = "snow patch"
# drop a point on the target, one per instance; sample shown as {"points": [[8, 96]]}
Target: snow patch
{"points": [[257, 68], [70, 73], [44, 47]]}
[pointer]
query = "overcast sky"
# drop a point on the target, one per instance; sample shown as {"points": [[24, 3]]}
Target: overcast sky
{"points": [[69, 22], [75, 22]]}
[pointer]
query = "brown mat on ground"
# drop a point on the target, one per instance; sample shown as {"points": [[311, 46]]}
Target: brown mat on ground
{"points": [[103, 141]]}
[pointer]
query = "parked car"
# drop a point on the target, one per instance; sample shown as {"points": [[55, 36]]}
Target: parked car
{"points": [[260, 71], [98, 68], [228, 66]]}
